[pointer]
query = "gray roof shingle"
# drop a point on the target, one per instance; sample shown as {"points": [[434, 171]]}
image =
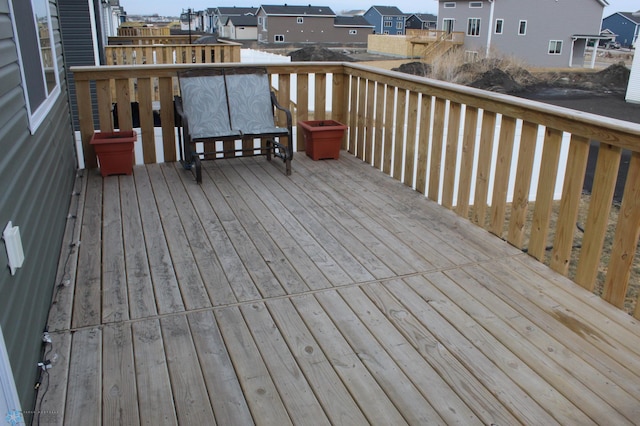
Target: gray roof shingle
{"points": [[295, 10], [351, 21], [388, 10]]}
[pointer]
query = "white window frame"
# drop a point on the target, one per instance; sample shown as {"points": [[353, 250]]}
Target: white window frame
{"points": [[276, 36], [387, 24], [520, 32], [353, 32], [9, 400], [495, 29], [398, 25], [386, 32], [475, 5], [37, 113], [444, 23], [299, 20], [477, 27], [449, 4], [470, 56], [555, 50]]}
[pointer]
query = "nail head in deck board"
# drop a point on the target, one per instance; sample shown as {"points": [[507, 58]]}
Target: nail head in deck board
{"points": [[187, 384], [338, 404], [259, 390], [84, 404], [398, 387], [225, 393], [167, 291], [364, 389], [155, 397], [119, 391]]}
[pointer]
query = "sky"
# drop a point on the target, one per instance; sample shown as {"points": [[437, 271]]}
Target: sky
{"points": [[173, 8]]}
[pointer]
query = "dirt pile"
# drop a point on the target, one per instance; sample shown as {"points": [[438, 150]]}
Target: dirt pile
{"points": [[497, 80], [318, 53], [415, 68]]}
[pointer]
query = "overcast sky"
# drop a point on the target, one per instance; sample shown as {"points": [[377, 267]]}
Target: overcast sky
{"points": [[173, 7]]}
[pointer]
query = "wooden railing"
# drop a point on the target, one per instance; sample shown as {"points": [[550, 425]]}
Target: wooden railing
{"points": [[143, 31], [493, 159], [152, 39], [173, 54]]}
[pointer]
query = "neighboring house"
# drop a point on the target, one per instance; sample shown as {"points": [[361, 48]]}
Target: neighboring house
{"points": [[386, 19], [421, 21], [633, 87], [220, 15], [242, 27], [37, 174], [626, 25], [308, 24], [545, 33], [352, 29]]}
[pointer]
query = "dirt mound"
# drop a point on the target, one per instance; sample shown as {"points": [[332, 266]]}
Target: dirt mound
{"points": [[614, 75], [497, 80], [318, 53], [414, 68]]}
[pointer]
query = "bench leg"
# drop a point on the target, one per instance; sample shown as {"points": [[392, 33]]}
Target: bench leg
{"points": [[198, 168]]}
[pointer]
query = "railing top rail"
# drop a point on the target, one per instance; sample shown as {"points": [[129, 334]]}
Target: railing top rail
{"points": [[615, 132]]}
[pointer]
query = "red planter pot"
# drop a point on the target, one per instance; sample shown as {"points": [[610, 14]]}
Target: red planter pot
{"points": [[323, 138], [114, 151]]}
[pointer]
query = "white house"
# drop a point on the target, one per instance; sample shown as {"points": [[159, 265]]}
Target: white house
{"points": [[633, 88]]}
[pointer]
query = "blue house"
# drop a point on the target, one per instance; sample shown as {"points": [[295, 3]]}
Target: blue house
{"points": [[626, 25], [386, 19]]}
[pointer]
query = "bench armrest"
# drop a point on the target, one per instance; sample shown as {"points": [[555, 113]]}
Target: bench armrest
{"points": [[276, 104]]}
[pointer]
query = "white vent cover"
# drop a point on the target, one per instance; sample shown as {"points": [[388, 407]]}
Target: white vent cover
{"points": [[12, 241]]}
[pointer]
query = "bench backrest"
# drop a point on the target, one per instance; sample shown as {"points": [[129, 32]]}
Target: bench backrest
{"points": [[249, 94], [204, 100]]}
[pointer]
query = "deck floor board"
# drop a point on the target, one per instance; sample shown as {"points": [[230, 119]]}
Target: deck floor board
{"points": [[337, 295]]}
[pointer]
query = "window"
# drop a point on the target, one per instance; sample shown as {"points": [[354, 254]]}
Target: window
{"points": [[37, 57], [499, 25], [522, 28], [387, 24], [449, 4], [300, 20], [278, 38], [398, 25], [473, 28], [475, 4], [353, 32], [470, 56], [447, 25], [263, 21], [386, 32], [555, 47]]}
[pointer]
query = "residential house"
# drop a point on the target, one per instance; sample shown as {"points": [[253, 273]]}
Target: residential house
{"points": [[37, 177], [220, 15], [308, 24], [353, 29], [626, 25], [421, 21], [546, 33], [386, 19], [242, 27]]}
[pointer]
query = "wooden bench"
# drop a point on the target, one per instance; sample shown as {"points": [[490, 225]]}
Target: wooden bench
{"points": [[223, 111]]}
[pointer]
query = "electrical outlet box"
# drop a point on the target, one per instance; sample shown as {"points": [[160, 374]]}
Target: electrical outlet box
{"points": [[13, 243]]}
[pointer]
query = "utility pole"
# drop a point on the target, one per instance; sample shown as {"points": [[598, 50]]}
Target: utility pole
{"points": [[189, 13]]}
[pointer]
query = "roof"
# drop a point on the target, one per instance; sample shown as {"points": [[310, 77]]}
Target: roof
{"points": [[293, 10], [631, 16], [244, 21], [388, 10], [425, 17], [236, 11], [351, 21]]}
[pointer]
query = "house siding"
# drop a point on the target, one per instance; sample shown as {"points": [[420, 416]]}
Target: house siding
{"points": [[546, 20], [36, 174], [626, 30], [633, 88]]}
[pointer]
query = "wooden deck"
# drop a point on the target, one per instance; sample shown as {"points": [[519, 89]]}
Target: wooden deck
{"points": [[334, 296]]}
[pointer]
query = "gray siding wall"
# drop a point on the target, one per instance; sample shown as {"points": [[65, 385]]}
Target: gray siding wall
{"points": [[546, 20], [78, 44], [36, 176], [312, 30]]}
